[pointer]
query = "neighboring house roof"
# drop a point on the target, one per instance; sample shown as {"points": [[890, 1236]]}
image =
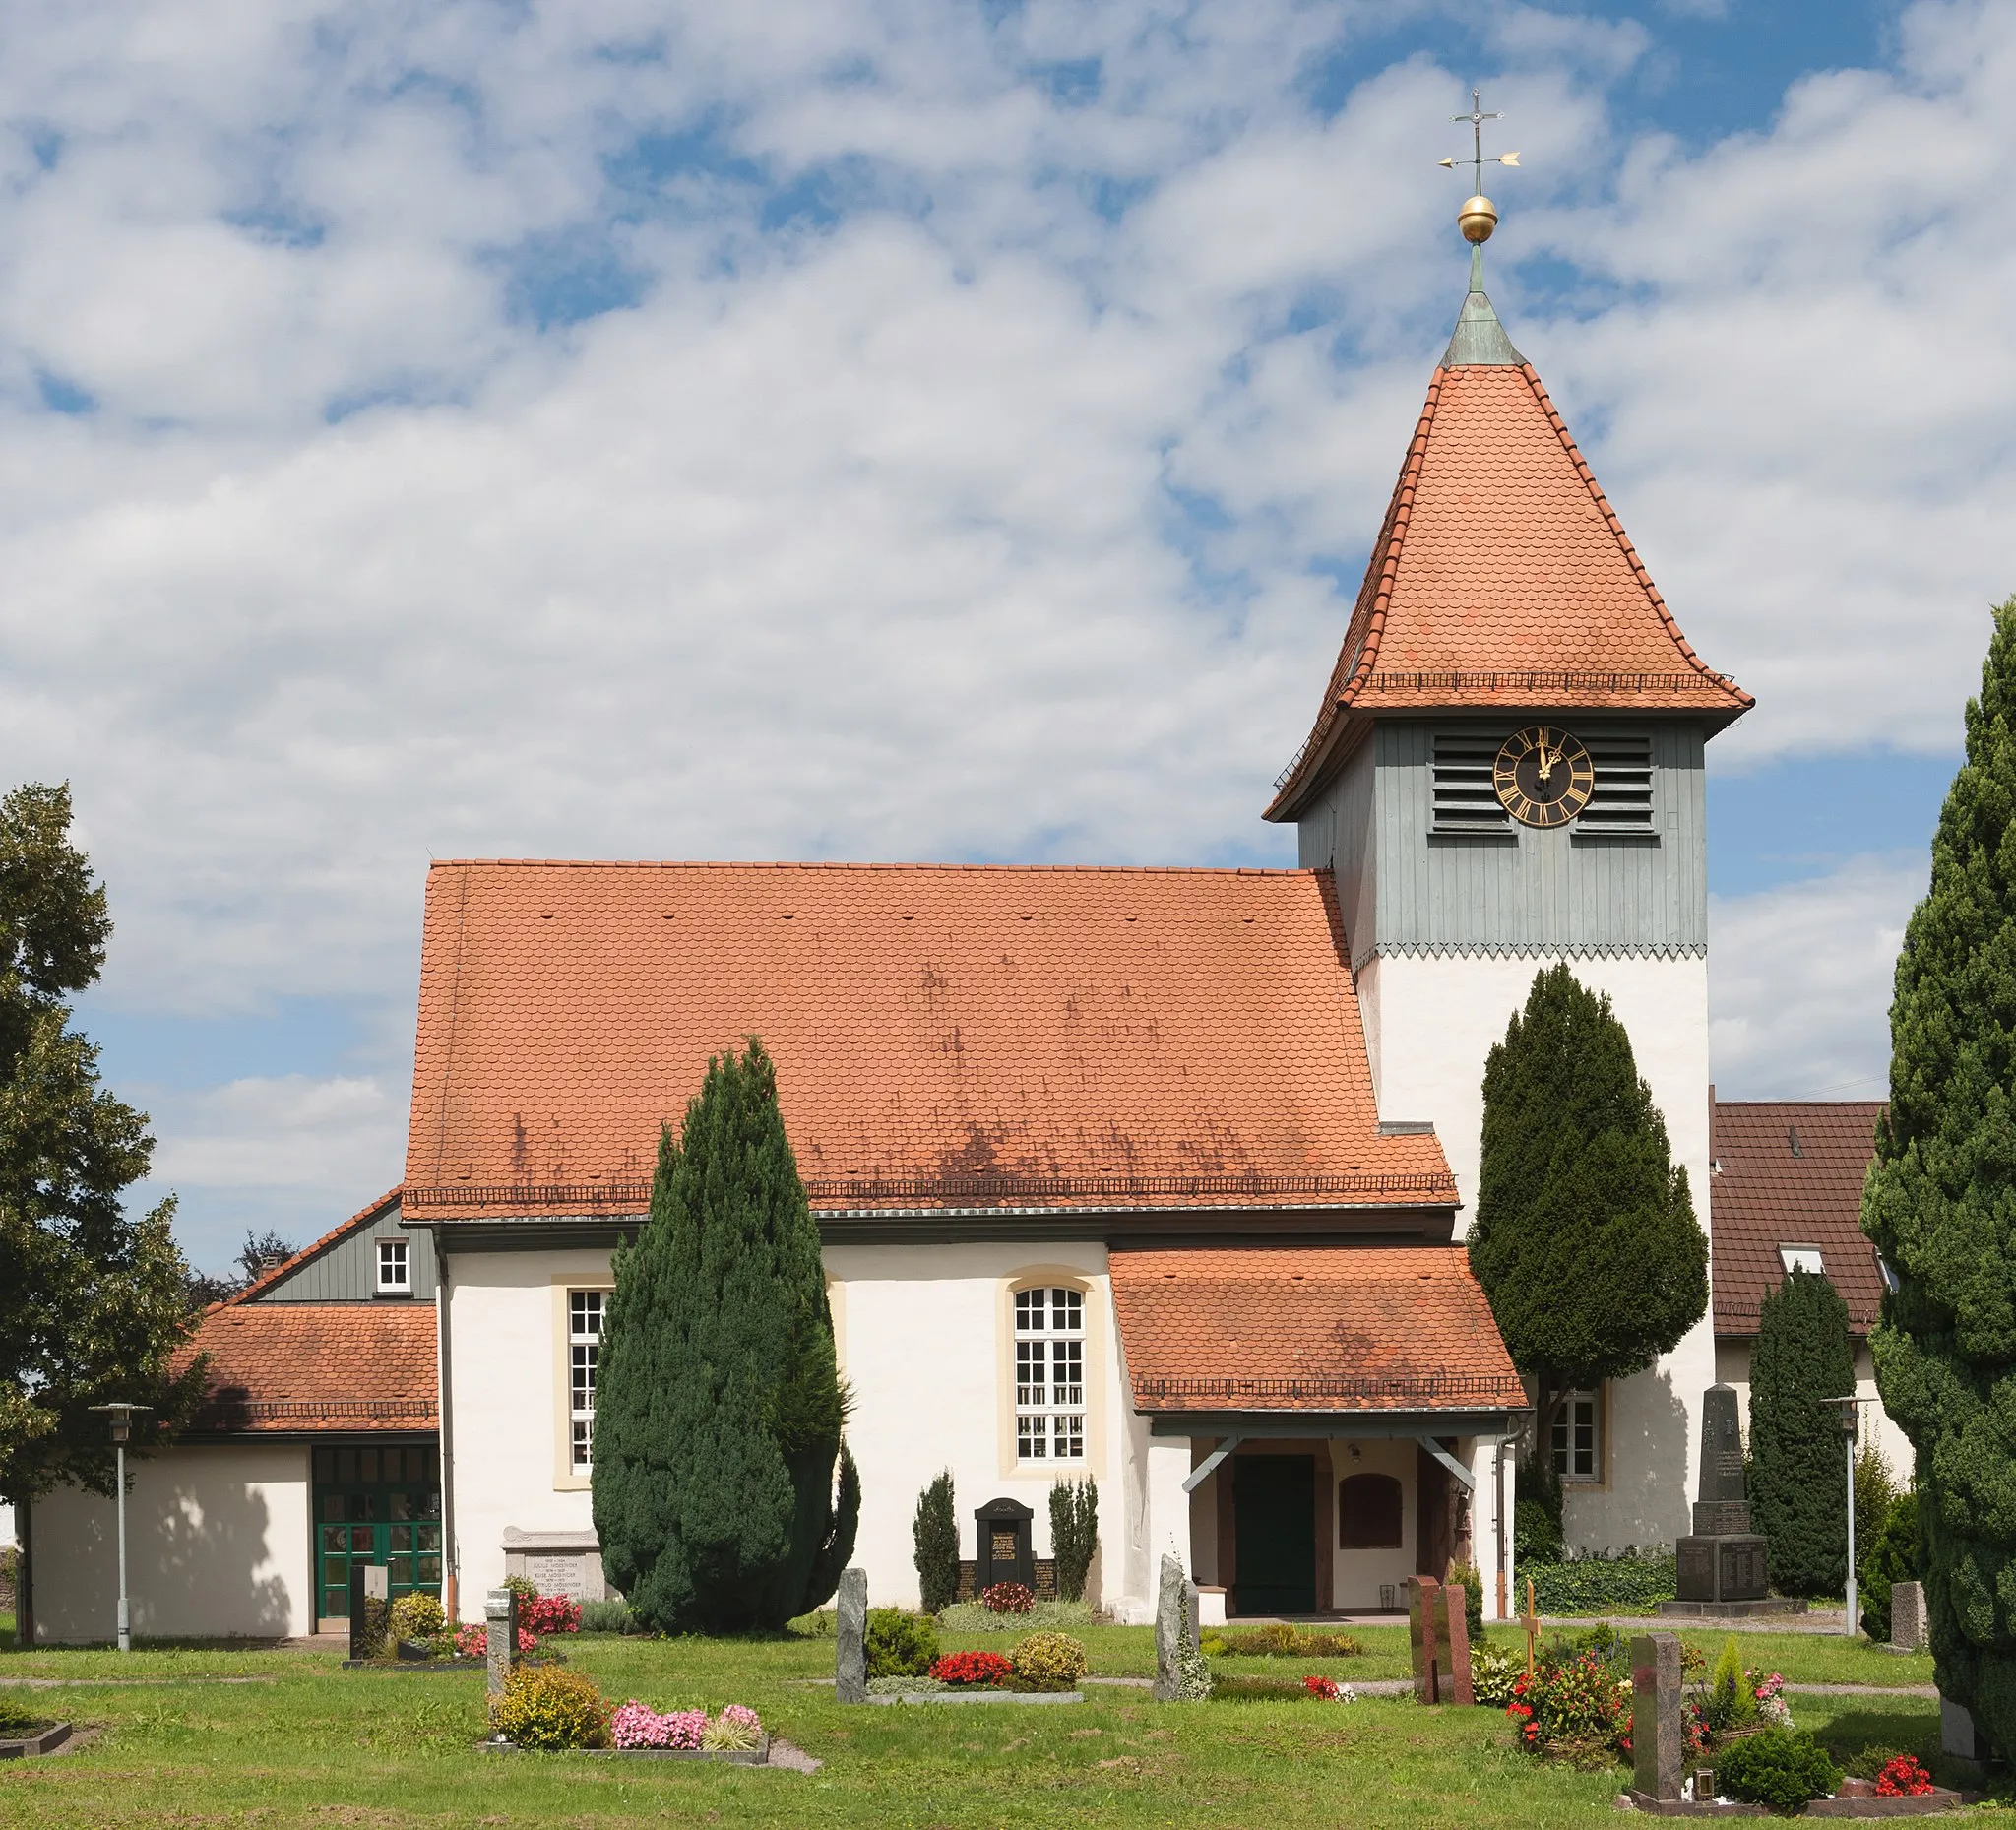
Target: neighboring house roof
{"points": [[1309, 1328], [296, 1366], [951, 1035], [1503, 576], [286, 1267], [1766, 1195]]}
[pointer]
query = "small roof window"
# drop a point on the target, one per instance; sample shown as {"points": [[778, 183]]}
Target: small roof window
{"points": [[1801, 1258]]}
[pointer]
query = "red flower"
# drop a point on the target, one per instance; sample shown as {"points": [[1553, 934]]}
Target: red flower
{"points": [[1904, 1777], [981, 1670], [1324, 1687]]}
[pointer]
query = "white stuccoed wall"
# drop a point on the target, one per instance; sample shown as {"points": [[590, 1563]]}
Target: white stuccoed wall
{"points": [[216, 1546], [1733, 1356], [1429, 1023]]}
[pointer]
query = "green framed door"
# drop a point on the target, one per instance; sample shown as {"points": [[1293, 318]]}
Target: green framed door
{"points": [[376, 1503], [1274, 1512]]}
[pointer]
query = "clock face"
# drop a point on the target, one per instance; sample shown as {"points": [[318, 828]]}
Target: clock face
{"points": [[1544, 776]]}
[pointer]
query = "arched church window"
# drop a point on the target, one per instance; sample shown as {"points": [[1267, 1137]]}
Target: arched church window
{"points": [[1369, 1511], [1049, 1374]]}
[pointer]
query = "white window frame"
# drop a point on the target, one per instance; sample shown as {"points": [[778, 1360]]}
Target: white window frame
{"points": [[1802, 1259], [1050, 1375], [584, 1353], [1577, 1438], [395, 1255]]}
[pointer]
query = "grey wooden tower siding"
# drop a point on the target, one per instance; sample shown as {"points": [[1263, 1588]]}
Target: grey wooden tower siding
{"points": [[348, 1269], [1427, 861]]}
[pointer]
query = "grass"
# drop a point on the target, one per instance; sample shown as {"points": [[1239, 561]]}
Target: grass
{"points": [[307, 1743]]}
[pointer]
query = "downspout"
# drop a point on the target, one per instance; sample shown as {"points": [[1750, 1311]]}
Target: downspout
{"points": [[1498, 1516]]}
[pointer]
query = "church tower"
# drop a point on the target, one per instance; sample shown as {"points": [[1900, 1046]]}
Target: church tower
{"points": [[1506, 772]]}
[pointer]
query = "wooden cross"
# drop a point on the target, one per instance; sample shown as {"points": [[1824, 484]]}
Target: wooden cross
{"points": [[1530, 1622]]}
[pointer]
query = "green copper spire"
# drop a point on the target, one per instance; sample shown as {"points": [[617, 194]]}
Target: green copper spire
{"points": [[1480, 339]]}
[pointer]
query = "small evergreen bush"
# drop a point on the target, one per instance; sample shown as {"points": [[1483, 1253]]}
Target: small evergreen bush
{"points": [[1074, 1534], [1782, 1769], [936, 1533], [547, 1707], [1891, 1559], [17, 1720], [1048, 1662], [416, 1616], [899, 1644], [1059, 1616], [1729, 1703], [1624, 1582]]}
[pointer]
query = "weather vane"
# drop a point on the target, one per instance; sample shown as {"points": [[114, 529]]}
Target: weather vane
{"points": [[1478, 217]]}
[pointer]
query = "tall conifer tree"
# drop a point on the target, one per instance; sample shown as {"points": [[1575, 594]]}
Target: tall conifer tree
{"points": [[1585, 1238], [1940, 1206], [718, 1405], [1798, 1471]]}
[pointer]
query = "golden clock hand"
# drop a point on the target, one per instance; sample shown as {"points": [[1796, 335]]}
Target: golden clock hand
{"points": [[1546, 762]]}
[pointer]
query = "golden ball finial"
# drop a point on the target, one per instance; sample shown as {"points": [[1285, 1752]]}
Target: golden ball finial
{"points": [[1477, 218]]}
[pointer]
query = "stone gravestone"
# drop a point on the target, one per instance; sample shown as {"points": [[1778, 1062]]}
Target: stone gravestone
{"points": [[1722, 1563], [1423, 1604], [1908, 1629], [500, 1636], [850, 1637], [1655, 1739], [370, 1609], [1958, 1735], [1456, 1685], [1169, 1629]]}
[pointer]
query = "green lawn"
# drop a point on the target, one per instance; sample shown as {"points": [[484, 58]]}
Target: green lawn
{"points": [[308, 1743]]}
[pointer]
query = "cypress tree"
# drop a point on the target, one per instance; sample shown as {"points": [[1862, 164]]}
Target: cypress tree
{"points": [[1798, 1471], [1585, 1240], [719, 1405], [1074, 1534], [1940, 1206], [935, 1534]]}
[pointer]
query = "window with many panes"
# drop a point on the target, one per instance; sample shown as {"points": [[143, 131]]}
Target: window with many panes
{"points": [[395, 1268], [1050, 1375], [1578, 1443], [584, 1345]]}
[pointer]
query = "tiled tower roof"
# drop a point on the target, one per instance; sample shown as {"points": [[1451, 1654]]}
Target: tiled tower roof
{"points": [[1501, 576]]}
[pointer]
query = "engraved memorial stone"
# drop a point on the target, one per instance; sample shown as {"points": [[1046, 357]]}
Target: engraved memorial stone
{"points": [[1656, 1745], [850, 1636], [1721, 1566], [1168, 1631], [1908, 1629], [1455, 1683], [500, 1638], [1424, 1604]]}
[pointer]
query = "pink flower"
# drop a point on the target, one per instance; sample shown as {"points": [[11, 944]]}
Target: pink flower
{"points": [[637, 1725], [742, 1717]]}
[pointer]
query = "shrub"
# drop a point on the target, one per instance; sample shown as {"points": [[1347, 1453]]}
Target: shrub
{"points": [[1008, 1598], [1891, 1559], [1074, 1534], [550, 1614], [1730, 1702], [969, 1671], [736, 1729], [1050, 1661], [16, 1718], [1618, 1582], [1802, 1358], [416, 1616], [899, 1644], [545, 1707], [607, 1617], [1473, 1599], [473, 1640], [1282, 1639], [371, 1642], [1865, 1762], [1491, 1674], [971, 1617], [525, 1589], [1904, 1777], [1779, 1769], [904, 1686], [935, 1534], [637, 1725], [1577, 1708]]}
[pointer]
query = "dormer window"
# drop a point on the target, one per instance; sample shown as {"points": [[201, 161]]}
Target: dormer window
{"points": [[395, 1268], [1801, 1258]]}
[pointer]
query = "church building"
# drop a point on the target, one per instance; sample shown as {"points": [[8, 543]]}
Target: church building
{"points": [[1154, 1175], [1157, 1176]]}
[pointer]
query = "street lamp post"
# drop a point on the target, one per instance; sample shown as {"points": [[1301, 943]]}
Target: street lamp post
{"points": [[122, 1425], [1848, 1413]]}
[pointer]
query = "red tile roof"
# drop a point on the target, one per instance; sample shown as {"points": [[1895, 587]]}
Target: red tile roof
{"points": [[1503, 576], [295, 1367], [1764, 1196], [943, 1034], [1309, 1328]]}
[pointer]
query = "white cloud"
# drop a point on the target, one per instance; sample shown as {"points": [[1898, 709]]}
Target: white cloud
{"points": [[986, 519], [1798, 982]]}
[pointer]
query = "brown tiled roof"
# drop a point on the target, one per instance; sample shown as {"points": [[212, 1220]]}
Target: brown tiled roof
{"points": [[1765, 1195], [274, 1273], [944, 1036], [1309, 1328], [1503, 576], [294, 1366]]}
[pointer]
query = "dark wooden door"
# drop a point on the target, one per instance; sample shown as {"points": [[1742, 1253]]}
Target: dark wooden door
{"points": [[1276, 1535]]}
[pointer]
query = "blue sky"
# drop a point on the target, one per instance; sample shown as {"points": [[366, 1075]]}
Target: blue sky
{"points": [[887, 429]]}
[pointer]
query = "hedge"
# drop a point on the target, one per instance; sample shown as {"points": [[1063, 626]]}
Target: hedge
{"points": [[1624, 1583]]}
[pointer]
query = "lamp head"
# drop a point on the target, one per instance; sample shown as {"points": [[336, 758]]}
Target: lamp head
{"points": [[121, 1419]]}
